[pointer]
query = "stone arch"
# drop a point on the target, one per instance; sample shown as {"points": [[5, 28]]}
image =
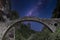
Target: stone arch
{"points": [[42, 21]]}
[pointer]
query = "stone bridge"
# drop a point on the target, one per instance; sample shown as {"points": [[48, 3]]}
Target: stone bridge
{"points": [[49, 23]]}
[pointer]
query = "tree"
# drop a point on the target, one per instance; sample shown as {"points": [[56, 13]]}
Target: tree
{"points": [[56, 12], [24, 32], [14, 15]]}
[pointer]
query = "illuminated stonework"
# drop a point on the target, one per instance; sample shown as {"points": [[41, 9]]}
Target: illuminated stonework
{"points": [[52, 24]]}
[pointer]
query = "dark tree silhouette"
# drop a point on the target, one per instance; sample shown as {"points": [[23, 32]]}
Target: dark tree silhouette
{"points": [[14, 15], [56, 12]]}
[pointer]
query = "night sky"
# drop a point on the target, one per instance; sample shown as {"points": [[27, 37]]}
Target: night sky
{"points": [[38, 8]]}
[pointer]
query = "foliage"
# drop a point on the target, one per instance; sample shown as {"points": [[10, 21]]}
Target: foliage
{"points": [[24, 32], [14, 15], [56, 12]]}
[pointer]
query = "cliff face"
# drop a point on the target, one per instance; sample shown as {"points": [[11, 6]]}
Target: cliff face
{"points": [[4, 4], [5, 9], [1, 4]]}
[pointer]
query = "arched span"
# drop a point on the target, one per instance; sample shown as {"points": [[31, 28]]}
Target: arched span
{"points": [[27, 19]]}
